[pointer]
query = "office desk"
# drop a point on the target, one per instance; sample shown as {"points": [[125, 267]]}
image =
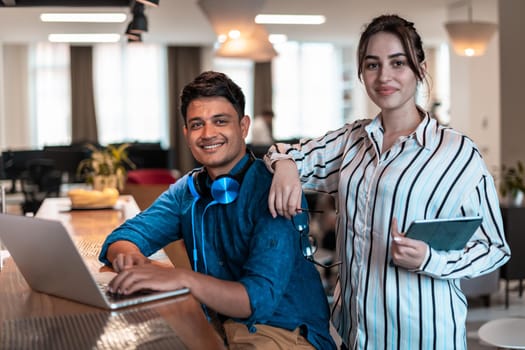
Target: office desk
{"points": [[52, 322]]}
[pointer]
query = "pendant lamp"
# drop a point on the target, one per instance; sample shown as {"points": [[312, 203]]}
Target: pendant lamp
{"points": [[255, 46], [470, 38], [229, 16], [135, 39], [139, 24], [130, 35], [154, 3]]}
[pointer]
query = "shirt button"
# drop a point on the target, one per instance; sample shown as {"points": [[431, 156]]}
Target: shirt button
{"points": [[221, 262]]}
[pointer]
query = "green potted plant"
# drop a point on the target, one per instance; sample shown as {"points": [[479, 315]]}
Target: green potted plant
{"points": [[512, 184], [106, 167]]}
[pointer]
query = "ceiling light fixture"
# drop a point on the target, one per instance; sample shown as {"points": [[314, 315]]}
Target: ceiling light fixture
{"points": [[139, 24], [234, 34], [130, 35], [84, 17], [470, 38], [289, 19], [136, 38], [255, 47], [154, 3], [84, 38], [238, 35], [225, 15]]}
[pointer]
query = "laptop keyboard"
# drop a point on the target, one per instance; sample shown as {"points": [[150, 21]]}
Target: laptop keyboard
{"points": [[114, 297]]}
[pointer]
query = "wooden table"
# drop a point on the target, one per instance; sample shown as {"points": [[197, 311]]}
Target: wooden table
{"points": [[18, 302]]}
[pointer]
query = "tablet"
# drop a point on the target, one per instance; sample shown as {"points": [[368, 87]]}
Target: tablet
{"points": [[445, 234]]}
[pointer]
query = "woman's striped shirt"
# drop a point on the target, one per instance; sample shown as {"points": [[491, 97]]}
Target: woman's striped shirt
{"points": [[436, 172]]}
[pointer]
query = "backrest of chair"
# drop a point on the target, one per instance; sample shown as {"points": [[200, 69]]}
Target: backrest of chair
{"points": [[150, 177], [44, 175], [40, 180]]}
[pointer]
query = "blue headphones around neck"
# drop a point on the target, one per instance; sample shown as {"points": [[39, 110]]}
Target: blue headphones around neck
{"points": [[223, 190]]}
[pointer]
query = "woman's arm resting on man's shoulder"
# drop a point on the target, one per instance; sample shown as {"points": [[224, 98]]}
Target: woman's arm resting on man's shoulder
{"points": [[285, 193]]}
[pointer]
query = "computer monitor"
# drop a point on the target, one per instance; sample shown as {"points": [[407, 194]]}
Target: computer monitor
{"points": [[2, 172], [14, 164], [67, 160], [149, 157]]}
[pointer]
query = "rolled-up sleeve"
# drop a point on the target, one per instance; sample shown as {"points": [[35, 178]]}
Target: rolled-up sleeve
{"points": [[267, 271], [153, 228]]}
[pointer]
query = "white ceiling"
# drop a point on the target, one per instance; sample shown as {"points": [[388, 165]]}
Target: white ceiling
{"points": [[182, 22]]}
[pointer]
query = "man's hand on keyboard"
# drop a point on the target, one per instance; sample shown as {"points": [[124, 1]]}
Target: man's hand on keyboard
{"points": [[147, 277], [125, 261]]}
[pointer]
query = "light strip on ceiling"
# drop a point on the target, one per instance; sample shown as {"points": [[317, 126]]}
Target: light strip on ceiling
{"points": [[289, 19], [84, 38], [84, 17]]}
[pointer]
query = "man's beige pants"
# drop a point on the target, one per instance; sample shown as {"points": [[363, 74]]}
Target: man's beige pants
{"points": [[265, 338]]}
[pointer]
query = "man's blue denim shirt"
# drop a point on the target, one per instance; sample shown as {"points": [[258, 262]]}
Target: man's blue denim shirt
{"points": [[242, 242]]}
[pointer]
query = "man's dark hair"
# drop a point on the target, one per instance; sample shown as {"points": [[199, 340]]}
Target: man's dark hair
{"points": [[212, 84]]}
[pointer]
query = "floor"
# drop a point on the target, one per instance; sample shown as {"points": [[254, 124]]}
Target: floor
{"points": [[478, 313]]}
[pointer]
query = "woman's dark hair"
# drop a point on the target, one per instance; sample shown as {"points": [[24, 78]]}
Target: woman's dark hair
{"points": [[212, 84], [406, 33]]}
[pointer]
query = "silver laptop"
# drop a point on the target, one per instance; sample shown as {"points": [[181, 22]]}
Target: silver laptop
{"points": [[50, 262]]}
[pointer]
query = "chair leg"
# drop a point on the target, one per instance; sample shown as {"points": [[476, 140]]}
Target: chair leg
{"points": [[506, 293], [486, 300]]}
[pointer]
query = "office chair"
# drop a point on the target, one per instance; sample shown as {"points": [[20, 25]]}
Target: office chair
{"points": [[150, 177], [39, 181]]}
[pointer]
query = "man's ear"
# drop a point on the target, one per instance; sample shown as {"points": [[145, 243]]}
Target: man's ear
{"points": [[245, 125]]}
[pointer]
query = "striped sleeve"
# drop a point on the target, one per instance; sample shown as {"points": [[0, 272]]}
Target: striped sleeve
{"points": [[486, 250]]}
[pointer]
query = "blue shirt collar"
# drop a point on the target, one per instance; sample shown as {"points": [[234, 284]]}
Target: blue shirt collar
{"points": [[234, 171]]}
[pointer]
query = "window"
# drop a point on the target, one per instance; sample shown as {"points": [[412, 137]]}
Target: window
{"points": [[50, 94], [306, 88], [241, 72], [130, 93], [307, 95]]}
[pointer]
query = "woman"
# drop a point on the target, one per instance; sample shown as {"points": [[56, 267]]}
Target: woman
{"points": [[395, 292]]}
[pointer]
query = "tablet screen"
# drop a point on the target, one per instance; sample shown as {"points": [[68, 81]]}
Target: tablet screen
{"points": [[445, 234]]}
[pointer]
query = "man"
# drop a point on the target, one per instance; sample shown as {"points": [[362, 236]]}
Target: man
{"points": [[247, 266]]}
